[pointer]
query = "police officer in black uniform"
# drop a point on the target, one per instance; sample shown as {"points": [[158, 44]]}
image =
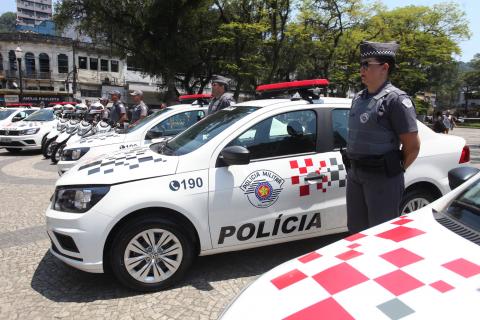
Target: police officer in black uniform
{"points": [[221, 98], [381, 119]]}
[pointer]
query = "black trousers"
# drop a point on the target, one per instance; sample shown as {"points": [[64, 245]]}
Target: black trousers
{"points": [[372, 198]]}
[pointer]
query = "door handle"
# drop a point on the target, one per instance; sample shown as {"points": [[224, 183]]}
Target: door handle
{"points": [[314, 178]]}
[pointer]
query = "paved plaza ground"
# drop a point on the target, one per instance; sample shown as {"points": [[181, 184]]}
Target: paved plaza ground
{"points": [[35, 285]]}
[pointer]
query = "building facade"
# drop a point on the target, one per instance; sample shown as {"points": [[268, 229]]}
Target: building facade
{"points": [[47, 69], [31, 13]]}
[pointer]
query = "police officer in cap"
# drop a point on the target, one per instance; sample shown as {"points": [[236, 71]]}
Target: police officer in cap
{"points": [[140, 110], [118, 114], [221, 98], [381, 119]]}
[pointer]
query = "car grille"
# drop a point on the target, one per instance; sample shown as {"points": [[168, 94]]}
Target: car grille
{"points": [[458, 228], [9, 133]]}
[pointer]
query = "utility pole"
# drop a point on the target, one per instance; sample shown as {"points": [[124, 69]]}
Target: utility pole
{"points": [[74, 83]]}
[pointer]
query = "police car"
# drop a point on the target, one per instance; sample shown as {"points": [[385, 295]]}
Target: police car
{"points": [[155, 127], [258, 173], [29, 133], [10, 115], [424, 265]]}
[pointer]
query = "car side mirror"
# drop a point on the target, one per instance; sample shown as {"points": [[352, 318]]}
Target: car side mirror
{"points": [[17, 118], [153, 135], [460, 175], [235, 155]]}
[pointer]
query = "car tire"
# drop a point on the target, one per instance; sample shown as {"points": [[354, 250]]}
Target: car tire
{"points": [[44, 139], [133, 236], [415, 199], [14, 150], [56, 152], [46, 146]]}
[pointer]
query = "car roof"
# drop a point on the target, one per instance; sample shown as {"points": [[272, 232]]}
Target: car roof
{"points": [[273, 103]]}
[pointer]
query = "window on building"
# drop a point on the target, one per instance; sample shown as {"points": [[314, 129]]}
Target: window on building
{"points": [[62, 60], [44, 61], [12, 60], [82, 62], [93, 64], [103, 65], [29, 64], [1, 62], [114, 65]]}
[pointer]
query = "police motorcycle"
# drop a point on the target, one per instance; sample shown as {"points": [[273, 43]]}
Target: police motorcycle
{"points": [[61, 123], [72, 128]]}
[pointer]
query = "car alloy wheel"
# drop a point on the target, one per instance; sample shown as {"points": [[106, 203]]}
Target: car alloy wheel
{"points": [[414, 204], [153, 256]]}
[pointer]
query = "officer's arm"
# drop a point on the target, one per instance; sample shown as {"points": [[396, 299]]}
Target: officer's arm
{"points": [[410, 147]]}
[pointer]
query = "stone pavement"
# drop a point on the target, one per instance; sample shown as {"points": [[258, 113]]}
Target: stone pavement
{"points": [[35, 285]]}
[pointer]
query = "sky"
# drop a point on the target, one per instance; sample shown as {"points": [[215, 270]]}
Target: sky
{"points": [[470, 7]]}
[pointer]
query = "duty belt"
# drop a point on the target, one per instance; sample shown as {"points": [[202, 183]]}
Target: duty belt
{"points": [[368, 163]]}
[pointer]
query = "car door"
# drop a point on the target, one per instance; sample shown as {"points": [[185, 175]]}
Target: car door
{"points": [[174, 125], [287, 189]]}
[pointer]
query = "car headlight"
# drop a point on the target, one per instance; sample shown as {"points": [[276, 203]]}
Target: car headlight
{"points": [[27, 132], [74, 154], [78, 199]]}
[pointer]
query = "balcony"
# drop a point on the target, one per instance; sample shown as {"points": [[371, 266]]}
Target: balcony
{"points": [[13, 74]]}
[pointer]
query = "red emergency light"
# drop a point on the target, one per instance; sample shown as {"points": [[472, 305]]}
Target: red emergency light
{"points": [[195, 96], [292, 85], [19, 105]]}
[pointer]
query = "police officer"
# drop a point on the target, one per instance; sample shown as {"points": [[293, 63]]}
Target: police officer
{"points": [[118, 114], [221, 98], [140, 110], [106, 111], [381, 119]]}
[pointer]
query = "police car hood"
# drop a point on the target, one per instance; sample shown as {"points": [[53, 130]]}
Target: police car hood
{"points": [[100, 139], [119, 167], [410, 268], [22, 125]]}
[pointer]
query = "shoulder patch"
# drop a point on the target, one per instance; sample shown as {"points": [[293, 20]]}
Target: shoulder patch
{"points": [[407, 102]]}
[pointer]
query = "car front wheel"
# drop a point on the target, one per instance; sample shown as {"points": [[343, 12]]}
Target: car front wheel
{"points": [[415, 199], [151, 254]]}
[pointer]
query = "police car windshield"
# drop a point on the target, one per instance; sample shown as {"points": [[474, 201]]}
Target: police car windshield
{"points": [[147, 119], [205, 130], [41, 115], [4, 114], [466, 208]]}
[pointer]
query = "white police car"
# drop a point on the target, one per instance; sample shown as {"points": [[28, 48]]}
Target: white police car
{"points": [[237, 179], [156, 127], [29, 133], [10, 115], [424, 265]]}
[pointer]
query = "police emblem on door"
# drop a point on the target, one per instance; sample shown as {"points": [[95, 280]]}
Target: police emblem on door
{"points": [[262, 188]]}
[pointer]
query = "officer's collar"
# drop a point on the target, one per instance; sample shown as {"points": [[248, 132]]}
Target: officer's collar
{"points": [[366, 94]]}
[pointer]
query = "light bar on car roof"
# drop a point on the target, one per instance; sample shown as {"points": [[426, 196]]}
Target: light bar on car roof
{"points": [[292, 85], [195, 96]]}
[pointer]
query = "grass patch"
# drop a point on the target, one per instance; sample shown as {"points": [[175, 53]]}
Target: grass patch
{"points": [[473, 125]]}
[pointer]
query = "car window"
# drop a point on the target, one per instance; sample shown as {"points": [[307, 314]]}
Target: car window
{"points": [[176, 123], [204, 131], [4, 114], [339, 126], [466, 207], [285, 134], [21, 114], [41, 115], [29, 112], [147, 119]]}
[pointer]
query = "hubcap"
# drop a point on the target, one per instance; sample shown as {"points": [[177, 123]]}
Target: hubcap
{"points": [[415, 204], [153, 256]]}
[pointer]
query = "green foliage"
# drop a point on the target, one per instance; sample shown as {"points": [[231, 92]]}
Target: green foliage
{"points": [[7, 22], [254, 42], [421, 106]]}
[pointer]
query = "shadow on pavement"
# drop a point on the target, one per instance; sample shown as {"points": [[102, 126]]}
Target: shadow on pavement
{"points": [[60, 283], [23, 153]]}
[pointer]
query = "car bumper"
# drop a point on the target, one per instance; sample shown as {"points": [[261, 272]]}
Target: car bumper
{"points": [[78, 239], [23, 142]]}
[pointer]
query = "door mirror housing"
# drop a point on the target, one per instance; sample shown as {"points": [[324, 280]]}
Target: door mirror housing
{"points": [[235, 155], [17, 118], [154, 135], [460, 175]]}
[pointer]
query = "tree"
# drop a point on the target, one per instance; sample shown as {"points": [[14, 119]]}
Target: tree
{"points": [[8, 22]]}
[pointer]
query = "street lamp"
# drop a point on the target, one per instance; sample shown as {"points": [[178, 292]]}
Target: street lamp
{"points": [[19, 56]]}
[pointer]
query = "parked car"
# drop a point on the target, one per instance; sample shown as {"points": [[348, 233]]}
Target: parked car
{"points": [[258, 173], [424, 265], [11, 115]]}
